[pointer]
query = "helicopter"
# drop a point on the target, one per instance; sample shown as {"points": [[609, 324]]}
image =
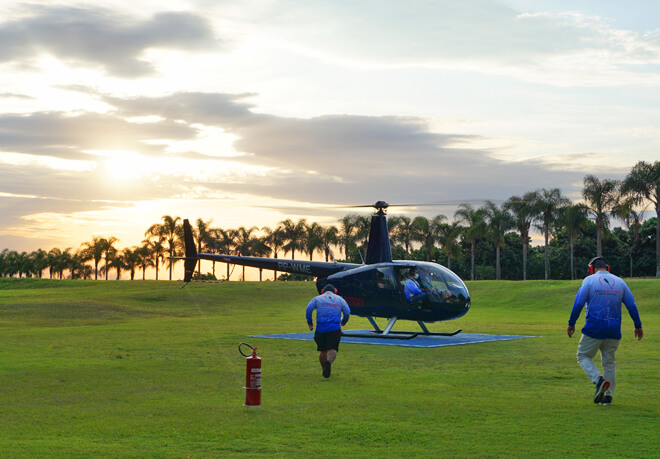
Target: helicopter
{"points": [[372, 289]]}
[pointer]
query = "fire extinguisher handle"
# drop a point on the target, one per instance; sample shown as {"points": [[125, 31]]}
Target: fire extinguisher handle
{"points": [[241, 351]]}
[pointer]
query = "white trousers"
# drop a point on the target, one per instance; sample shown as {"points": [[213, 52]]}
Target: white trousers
{"points": [[586, 352]]}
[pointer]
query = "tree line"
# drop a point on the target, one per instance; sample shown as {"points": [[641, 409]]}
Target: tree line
{"points": [[487, 242]]}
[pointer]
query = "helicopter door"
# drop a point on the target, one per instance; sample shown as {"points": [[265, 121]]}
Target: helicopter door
{"points": [[387, 283], [396, 281]]}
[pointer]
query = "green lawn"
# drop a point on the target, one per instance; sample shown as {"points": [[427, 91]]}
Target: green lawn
{"points": [[143, 368]]}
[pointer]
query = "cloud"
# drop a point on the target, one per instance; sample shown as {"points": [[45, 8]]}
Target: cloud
{"points": [[66, 136], [100, 37], [12, 95], [563, 49], [333, 159], [192, 107], [338, 157]]}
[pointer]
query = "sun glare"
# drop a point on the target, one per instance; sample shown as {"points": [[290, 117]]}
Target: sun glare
{"points": [[121, 165], [211, 141]]}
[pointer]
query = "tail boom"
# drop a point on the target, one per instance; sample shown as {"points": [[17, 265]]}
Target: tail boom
{"points": [[309, 268]]}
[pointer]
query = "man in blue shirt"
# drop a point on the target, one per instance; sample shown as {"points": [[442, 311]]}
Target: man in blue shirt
{"points": [[414, 293], [603, 294], [330, 308]]}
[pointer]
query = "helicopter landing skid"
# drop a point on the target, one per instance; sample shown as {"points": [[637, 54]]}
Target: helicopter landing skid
{"points": [[388, 333], [380, 335], [428, 333]]}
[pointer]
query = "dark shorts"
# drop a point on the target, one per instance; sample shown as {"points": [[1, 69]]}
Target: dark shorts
{"points": [[328, 340]]}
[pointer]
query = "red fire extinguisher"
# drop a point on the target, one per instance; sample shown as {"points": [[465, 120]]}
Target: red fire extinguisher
{"points": [[252, 376]]}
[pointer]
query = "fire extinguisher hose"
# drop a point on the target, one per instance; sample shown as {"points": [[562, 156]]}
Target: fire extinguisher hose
{"points": [[241, 351]]}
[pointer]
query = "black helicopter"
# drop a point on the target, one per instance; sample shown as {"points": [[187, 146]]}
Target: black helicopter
{"points": [[372, 289]]}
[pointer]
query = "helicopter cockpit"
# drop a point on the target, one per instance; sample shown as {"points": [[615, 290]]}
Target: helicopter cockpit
{"points": [[436, 278], [442, 284]]}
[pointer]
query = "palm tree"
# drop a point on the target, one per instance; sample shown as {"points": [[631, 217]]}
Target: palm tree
{"points": [[245, 242], [499, 222], [24, 264], [643, 184], [131, 257], [3, 262], [546, 205], [64, 261], [633, 221], [12, 263], [362, 228], [523, 214], [118, 262], [204, 240], [172, 231], [274, 239], [347, 226], [77, 266], [144, 257], [224, 242], [314, 239], [82, 269], [601, 198], [294, 235], [94, 250], [260, 249], [110, 252], [448, 234], [8, 263], [330, 237], [403, 233], [474, 230], [156, 248], [52, 260], [39, 261], [427, 232], [573, 218]]}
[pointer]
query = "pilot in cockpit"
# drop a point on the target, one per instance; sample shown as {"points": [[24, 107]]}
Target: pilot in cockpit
{"points": [[417, 290], [412, 289]]}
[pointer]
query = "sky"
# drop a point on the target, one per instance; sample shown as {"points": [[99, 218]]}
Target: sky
{"points": [[114, 114]]}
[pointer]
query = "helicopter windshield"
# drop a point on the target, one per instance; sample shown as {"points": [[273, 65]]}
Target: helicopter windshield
{"points": [[436, 277]]}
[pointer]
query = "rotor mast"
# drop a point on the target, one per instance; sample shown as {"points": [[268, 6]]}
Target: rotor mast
{"points": [[378, 248]]}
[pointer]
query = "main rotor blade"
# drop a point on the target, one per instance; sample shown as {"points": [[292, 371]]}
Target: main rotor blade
{"points": [[384, 205], [441, 203], [420, 204]]}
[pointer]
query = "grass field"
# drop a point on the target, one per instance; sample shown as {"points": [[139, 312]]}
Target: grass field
{"points": [[144, 369]]}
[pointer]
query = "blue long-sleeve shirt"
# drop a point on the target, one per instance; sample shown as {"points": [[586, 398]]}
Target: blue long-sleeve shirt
{"points": [[329, 309], [603, 294], [411, 288]]}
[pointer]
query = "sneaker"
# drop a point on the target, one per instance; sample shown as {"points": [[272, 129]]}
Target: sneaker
{"points": [[601, 386], [326, 369], [607, 400]]}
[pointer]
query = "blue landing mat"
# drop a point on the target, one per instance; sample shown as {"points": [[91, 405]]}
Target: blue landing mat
{"points": [[419, 341]]}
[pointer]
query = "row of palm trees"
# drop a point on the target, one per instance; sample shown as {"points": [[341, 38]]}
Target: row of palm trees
{"points": [[547, 210], [77, 262]]}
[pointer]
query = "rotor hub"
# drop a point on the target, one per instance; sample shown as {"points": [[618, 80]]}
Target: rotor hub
{"points": [[381, 207]]}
